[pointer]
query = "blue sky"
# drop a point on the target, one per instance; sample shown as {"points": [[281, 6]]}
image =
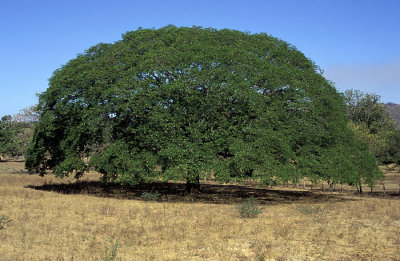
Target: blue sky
{"points": [[356, 42]]}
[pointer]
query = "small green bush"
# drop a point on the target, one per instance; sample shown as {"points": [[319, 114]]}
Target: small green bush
{"points": [[249, 208], [150, 196], [3, 220], [111, 252]]}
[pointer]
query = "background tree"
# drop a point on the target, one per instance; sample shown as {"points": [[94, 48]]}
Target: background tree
{"points": [[6, 134], [373, 124], [23, 123], [188, 103], [16, 132], [394, 110]]}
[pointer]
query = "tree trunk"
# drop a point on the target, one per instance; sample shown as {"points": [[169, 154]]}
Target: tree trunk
{"points": [[193, 185]]}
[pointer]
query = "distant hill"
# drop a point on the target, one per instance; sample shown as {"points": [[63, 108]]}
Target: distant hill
{"points": [[394, 109]]}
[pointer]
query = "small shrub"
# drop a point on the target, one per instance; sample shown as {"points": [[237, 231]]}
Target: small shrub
{"points": [[249, 208], [150, 196], [111, 253], [3, 220]]}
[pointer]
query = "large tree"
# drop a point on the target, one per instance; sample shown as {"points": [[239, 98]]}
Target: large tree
{"points": [[189, 103]]}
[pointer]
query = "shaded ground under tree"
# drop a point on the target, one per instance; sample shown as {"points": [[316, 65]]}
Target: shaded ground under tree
{"points": [[210, 193]]}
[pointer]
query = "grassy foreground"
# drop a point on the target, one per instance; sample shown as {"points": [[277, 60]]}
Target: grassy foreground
{"points": [[39, 224]]}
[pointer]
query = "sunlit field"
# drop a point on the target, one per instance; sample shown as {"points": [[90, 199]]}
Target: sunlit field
{"points": [[45, 218]]}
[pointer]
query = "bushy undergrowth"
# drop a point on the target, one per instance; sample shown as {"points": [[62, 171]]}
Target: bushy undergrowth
{"points": [[3, 220], [111, 252], [249, 208]]}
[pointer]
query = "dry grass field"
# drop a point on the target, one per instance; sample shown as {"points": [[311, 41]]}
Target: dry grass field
{"points": [[45, 218]]}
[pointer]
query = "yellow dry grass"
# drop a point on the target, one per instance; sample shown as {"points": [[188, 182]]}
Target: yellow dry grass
{"points": [[45, 225]]}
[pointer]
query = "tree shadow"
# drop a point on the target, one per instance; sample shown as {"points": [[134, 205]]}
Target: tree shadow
{"points": [[381, 194], [210, 193]]}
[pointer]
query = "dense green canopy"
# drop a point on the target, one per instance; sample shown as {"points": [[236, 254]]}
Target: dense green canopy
{"points": [[189, 103]]}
